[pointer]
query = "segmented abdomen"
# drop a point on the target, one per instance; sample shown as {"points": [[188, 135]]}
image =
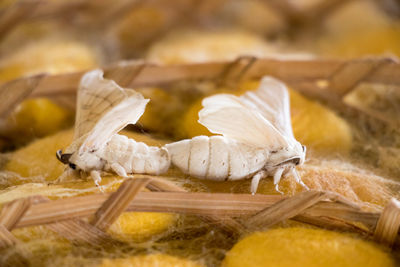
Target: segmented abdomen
{"points": [[136, 157], [216, 158]]}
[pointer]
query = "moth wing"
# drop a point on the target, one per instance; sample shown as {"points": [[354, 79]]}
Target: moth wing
{"points": [[96, 97], [104, 108], [227, 115], [126, 112], [271, 99]]}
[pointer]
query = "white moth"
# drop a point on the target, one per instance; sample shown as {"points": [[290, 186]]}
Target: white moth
{"points": [[257, 138], [103, 109]]}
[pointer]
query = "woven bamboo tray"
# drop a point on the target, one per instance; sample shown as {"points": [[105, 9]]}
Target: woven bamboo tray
{"points": [[87, 218], [237, 213]]}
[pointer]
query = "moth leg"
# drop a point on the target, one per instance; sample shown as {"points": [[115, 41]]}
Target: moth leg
{"points": [[277, 178], [118, 169], [256, 179], [298, 179], [96, 178]]}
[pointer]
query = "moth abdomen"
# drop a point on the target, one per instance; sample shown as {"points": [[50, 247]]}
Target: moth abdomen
{"points": [[199, 156], [191, 156], [136, 157], [202, 156], [216, 158], [219, 155]]}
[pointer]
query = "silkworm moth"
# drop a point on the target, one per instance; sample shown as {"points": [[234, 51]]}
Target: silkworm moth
{"points": [[256, 138], [103, 109]]}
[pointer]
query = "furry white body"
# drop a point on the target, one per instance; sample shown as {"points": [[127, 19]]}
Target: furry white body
{"points": [[223, 159], [257, 139], [123, 156], [217, 158]]}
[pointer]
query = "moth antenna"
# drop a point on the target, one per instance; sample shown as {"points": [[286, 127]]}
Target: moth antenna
{"points": [[64, 158], [59, 154]]}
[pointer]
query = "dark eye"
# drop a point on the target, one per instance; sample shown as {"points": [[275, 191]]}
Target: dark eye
{"points": [[304, 148], [72, 166]]}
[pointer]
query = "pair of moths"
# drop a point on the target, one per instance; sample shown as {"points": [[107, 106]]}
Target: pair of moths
{"points": [[256, 135]]}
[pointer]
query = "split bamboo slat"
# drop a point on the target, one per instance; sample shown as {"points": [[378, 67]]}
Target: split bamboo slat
{"points": [[69, 217], [324, 79]]}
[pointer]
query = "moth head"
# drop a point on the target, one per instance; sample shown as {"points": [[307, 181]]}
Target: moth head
{"points": [[302, 154], [295, 154], [86, 161], [65, 158]]}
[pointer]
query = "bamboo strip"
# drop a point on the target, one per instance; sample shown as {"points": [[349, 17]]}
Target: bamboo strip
{"points": [[188, 203], [14, 92], [152, 75], [16, 258], [161, 185], [215, 204], [10, 215], [12, 212], [224, 222], [284, 209], [345, 212], [388, 225], [6, 238], [351, 73], [48, 9], [118, 202], [15, 14], [77, 230], [333, 224], [324, 79], [80, 231]]}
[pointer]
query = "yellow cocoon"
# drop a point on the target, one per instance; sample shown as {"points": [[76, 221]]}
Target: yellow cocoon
{"points": [[48, 55], [359, 28], [39, 157], [41, 117], [140, 226], [162, 110], [318, 127], [139, 26], [152, 260], [42, 243], [200, 46], [36, 118], [379, 42], [313, 125], [305, 247]]}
